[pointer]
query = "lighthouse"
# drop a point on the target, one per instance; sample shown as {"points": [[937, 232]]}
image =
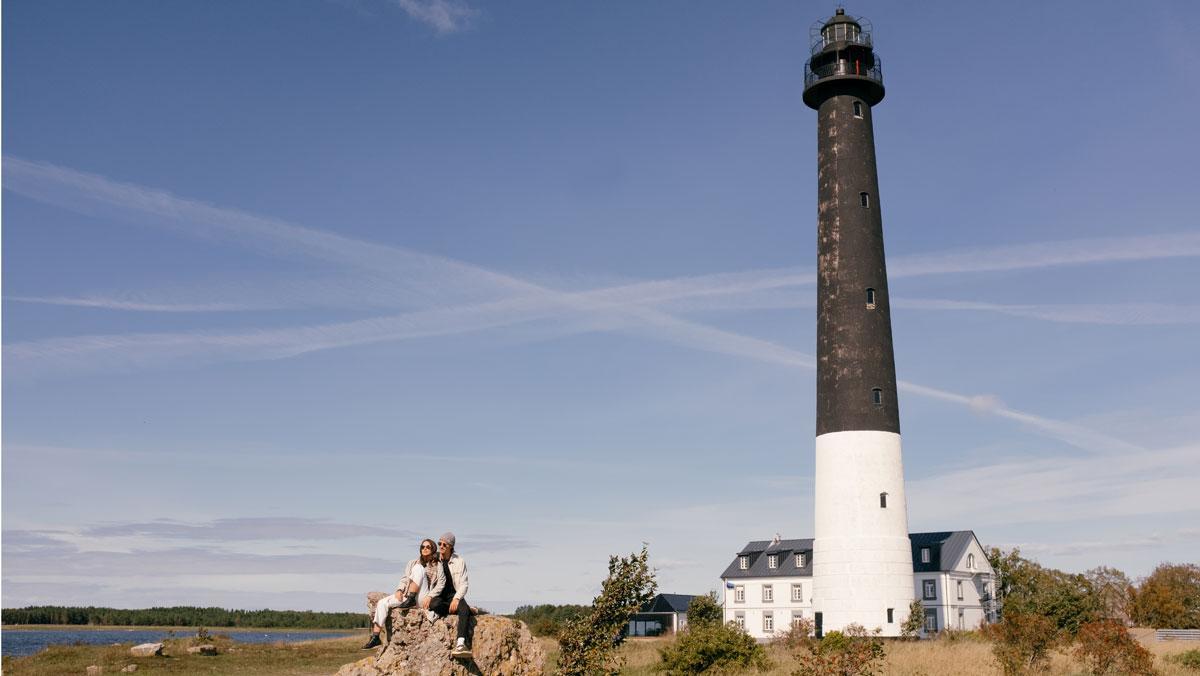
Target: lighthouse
{"points": [[862, 556]]}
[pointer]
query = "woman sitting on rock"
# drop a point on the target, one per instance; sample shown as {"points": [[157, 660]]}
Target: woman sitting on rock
{"points": [[425, 570]]}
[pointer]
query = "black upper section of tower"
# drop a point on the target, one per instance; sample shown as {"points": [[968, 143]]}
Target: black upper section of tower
{"points": [[842, 61]]}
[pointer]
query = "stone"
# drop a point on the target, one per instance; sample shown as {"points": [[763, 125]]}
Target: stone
{"points": [[146, 650], [129, 669], [203, 649], [94, 670], [416, 645]]}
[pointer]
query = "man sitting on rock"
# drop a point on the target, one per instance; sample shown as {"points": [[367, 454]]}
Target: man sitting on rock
{"points": [[452, 598]]}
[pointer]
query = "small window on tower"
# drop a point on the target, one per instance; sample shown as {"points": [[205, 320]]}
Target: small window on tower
{"points": [[864, 200], [858, 109], [877, 396], [890, 616], [870, 299], [883, 504]]}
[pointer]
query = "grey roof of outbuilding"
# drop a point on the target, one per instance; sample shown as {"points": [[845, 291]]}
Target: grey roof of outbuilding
{"points": [[944, 546], [668, 603], [758, 551]]}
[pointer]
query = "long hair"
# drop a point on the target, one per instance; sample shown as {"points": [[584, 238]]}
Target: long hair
{"points": [[426, 559]]}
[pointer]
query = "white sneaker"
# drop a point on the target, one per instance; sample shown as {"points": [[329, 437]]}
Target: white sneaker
{"points": [[461, 651], [431, 615]]}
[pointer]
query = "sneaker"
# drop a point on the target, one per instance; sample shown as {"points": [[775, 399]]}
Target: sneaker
{"points": [[409, 601], [433, 617], [461, 651], [373, 643]]}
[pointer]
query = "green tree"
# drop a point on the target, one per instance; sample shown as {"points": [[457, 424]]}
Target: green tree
{"points": [[705, 610], [589, 643], [911, 628], [1025, 587], [1169, 598]]}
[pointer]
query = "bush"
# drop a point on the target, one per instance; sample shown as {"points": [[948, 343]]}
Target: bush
{"points": [[1022, 642], [1189, 659], [853, 652], [705, 610], [589, 643], [797, 636], [1027, 588], [1106, 647], [712, 647]]}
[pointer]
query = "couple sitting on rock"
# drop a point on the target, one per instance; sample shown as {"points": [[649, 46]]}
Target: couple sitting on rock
{"points": [[443, 574]]}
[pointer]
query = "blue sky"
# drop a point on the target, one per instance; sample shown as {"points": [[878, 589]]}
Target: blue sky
{"points": [[289, 285]]}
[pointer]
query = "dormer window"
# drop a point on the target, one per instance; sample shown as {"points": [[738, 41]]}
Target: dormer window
{"points": [[799, 559], [744, 562], [925, 557], [772, 561]]}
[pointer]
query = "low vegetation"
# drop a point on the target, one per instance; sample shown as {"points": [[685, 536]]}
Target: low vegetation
{"points": [[183, 616], [588, 644], [710, 645]]}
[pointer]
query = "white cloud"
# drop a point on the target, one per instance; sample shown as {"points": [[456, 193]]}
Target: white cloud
{"points": [[446, 16]]}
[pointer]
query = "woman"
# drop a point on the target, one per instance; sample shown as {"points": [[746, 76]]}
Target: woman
{"points": [[425, 569]]}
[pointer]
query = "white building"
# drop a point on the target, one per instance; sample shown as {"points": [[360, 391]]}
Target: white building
{"points": [[769, 584]]}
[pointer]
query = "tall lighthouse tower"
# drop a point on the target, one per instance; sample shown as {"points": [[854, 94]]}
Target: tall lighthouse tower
{"points": [[862, 558]]}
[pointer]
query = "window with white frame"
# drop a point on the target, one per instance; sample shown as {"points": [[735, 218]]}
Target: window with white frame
{"points": [[928, 589], [970, 562], [958, 588], [772, 561], [798, 592], [740, 620], [739, 593], [768, 622], [797, 617], [768, 595], [799, 559], [925, 557], [743, 562]]}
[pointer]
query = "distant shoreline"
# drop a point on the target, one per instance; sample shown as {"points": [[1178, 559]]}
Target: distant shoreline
{"points": [[181, 630]]}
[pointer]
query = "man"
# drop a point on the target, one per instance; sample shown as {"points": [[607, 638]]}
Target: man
{"points": [[452, 599]]}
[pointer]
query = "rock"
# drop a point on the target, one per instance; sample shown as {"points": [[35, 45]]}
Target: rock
{"points": [[146, 650], [129, 669], [203, 649], [416, 645], [94, 670]]}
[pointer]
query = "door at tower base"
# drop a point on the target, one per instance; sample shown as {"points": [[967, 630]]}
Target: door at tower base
{"points": [[862, 556]]}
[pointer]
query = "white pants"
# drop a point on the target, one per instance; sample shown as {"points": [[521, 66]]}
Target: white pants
{"points": [[386, 603]]}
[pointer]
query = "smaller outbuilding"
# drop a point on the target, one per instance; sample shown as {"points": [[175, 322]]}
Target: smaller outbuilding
{"points": [[663, 614]]}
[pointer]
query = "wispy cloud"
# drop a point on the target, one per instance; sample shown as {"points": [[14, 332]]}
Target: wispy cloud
{"points": [[627, 308], [446, 16], [246, 528]]}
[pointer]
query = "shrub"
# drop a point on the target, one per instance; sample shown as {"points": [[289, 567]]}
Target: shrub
{"points": [[1027, 588], [712, 647], [1189, 659], [1106, 647], [1022, 642], [705, 610], [589, 642], [798, 635], [852, 652]]}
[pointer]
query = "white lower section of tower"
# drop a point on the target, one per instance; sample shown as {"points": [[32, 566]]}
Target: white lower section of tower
{"points": [[862, 557]]}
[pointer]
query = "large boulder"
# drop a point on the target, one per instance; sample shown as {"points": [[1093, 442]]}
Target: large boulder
{"points": [[146, 650], [500, 646]]}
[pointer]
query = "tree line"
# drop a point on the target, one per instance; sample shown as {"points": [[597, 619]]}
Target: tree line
{"points": [[184, 616], [1167, 598]]}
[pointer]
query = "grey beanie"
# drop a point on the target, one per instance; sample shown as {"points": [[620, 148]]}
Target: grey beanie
{"points": [[448, 538]]}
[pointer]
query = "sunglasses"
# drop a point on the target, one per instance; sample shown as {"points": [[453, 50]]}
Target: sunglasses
{"points": [[426, 546], [443, 544]]}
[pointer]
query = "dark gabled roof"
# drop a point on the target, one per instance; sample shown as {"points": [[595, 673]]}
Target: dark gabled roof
{"points": [[945, 547], [668, 603], [758, 552]]}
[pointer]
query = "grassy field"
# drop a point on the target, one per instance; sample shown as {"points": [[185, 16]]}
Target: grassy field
{"points": [[323, 656], [963, 657]]}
